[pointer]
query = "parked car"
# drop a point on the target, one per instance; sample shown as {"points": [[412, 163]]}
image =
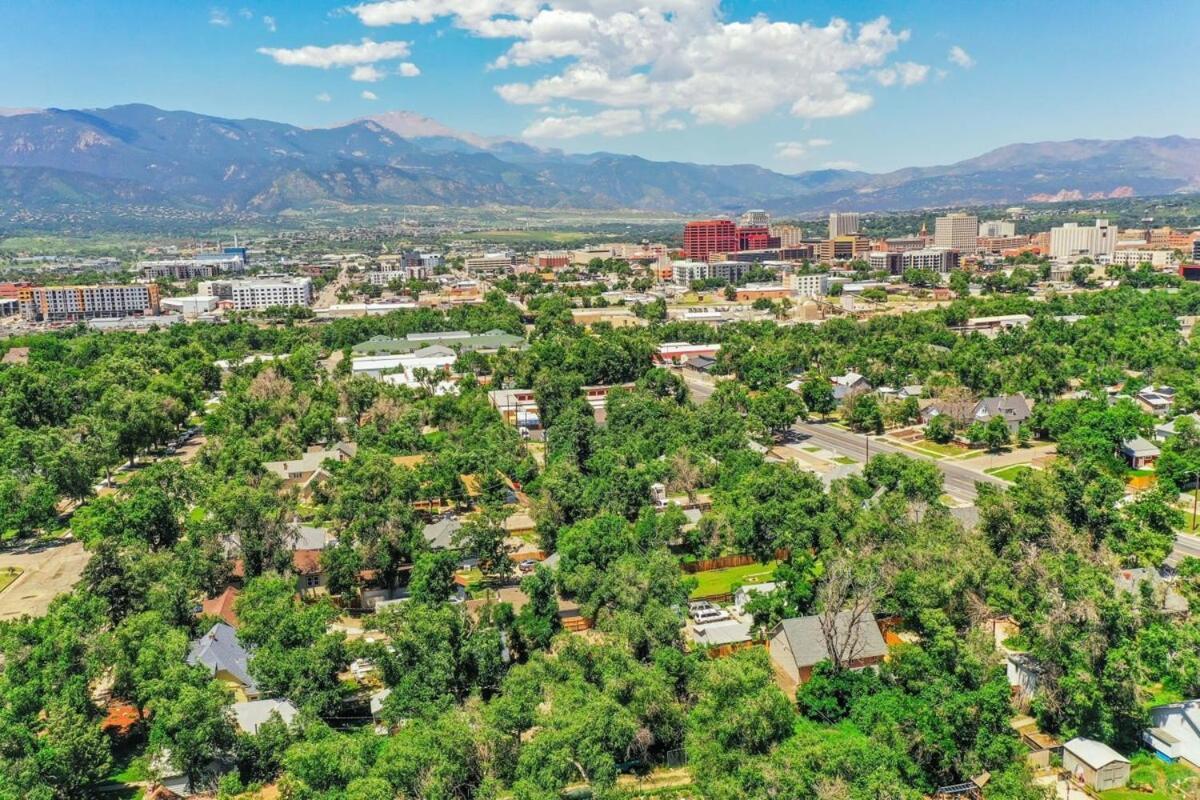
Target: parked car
{"points": [[710, 615], [528, 565], [699, 606]]}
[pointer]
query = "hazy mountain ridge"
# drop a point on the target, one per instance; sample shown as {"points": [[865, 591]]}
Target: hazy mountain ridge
{"points": [[141, 154]]}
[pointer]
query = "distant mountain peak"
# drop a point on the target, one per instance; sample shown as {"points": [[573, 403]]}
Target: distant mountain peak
{"points": [[18, 112], [411, 125]]}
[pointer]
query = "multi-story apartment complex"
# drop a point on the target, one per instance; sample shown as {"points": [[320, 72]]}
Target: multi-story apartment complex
{"points": [[261, 293], [996, 228], [957, 231], [1072, 241], [843, 224], [67, 303], [810, 285], [937, 259], [788, 235], [704, 237], [383, 277], [886, 261], [205, 265], [684, 273], [1133, 257]]}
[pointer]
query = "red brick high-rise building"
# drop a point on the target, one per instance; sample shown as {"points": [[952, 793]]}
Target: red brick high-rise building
{"points": [[754, 237], [709, 236]]}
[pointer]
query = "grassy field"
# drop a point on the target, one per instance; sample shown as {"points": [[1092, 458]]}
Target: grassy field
{"points": [[1008, 473], [939, 449], [1153, 779], [7, 576], [722, 581], [1157, 695]]}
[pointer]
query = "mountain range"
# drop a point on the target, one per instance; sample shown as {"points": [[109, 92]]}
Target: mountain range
{"points": [[138, 155]]}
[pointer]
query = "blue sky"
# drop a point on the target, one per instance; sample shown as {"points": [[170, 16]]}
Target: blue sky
{"points": [[695, 80]]}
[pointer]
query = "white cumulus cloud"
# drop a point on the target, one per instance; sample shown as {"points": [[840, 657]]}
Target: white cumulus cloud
{"points": [[323, 97], [369, 95], [662, 57], [408, 70], [613, 122], [367, 73], [794, 150], [269, 23], [906, 73], [960, 57], [338, 55]]}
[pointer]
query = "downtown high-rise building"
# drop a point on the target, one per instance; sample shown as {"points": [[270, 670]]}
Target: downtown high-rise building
{"points": [[957, 231], [843, 224]]}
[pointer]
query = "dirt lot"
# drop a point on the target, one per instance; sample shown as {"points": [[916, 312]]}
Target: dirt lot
{"points": [[48, 571]]}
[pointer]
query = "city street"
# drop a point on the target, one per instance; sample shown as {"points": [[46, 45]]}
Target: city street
{"points": [[959, 480]]}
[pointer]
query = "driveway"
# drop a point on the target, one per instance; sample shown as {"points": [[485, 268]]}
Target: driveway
{"points": [[48, 571]]}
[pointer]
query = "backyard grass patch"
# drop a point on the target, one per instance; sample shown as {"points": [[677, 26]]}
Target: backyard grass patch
{"points": [[723, 581], [1150, 778]]}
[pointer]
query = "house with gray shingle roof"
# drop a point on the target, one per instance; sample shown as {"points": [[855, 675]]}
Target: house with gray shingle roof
{"points": [[800, 643], [1014, 408], [220, 652]]}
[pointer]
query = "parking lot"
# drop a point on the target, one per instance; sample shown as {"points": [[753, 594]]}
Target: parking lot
{"points": [[48, 570]]}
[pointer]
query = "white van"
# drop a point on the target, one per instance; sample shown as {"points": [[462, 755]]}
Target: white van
{"points": [[710, 615]]}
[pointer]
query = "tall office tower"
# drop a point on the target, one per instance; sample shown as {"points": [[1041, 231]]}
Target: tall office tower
{"points": [[755, 218], [957, 231], [842, 224]]}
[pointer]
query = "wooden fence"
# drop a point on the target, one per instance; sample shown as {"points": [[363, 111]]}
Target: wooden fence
{"points": [[725, 562]]}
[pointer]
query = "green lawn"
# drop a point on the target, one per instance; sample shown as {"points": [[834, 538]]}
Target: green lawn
{"points": [[845, 460], [811, 449], [7, 576], [1009, 473], [1153, 779], [940, 449], [723, 581]]}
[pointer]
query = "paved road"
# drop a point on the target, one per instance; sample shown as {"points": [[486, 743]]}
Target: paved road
{"points": [[48, 571], [959, 481], [1185, 545]]}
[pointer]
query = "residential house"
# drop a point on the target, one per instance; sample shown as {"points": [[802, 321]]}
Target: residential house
{"points": [[250, 715], [703, 364], [744, 593], [679, 353], [1023, 672], [1139, 453], [222, 606], [1134, 581], [439, 534], [1165, 430], [220, 652], [799, 644], [310, 574], [517, 406], [1095, 764], [1175, 734], [722, 638], [848, 384], [301, 471], [1156, 400], [1014, 408]]}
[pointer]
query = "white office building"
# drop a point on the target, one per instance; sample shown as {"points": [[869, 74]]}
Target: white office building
{"points": [[1072, 241], [957, 231], [997, 229], [843, 224]]}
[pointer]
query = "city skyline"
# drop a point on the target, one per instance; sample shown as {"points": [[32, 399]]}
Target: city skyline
{"points": [[867, 86]]}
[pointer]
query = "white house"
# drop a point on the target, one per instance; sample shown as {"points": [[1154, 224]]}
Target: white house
{"points": [[743, 595], [1176, 731]]}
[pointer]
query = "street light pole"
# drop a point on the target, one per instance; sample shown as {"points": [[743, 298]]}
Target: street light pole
{"points": [[1195, 497]]}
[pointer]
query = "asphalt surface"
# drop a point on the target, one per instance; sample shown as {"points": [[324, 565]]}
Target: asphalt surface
{"points": [[1185, 545], [958, 480]]}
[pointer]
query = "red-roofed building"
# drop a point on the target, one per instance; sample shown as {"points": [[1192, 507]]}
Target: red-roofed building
{"points": [[222, 606]]}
